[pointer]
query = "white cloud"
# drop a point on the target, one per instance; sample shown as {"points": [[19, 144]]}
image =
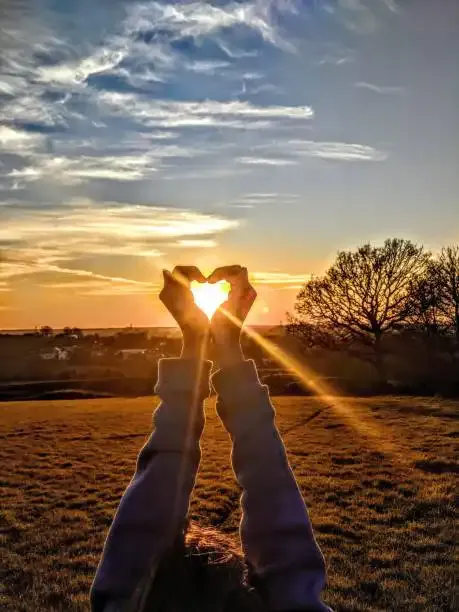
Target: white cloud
{"points": [[192, 243], [250, 200], [266, 161], [338, 151], [14, 140], [208, 67], [171, 113], [142, 163], [73, 171], [77, 72], [198, 19], [379, 89], [279, 279]]}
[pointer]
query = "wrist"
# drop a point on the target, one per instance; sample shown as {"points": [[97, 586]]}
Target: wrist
{"points": [[228, 356], [193, 346]]}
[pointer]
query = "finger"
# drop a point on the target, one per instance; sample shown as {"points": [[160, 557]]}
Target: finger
{"points": [[227, 273], [185, 274], [241, 300], [167, 277]]}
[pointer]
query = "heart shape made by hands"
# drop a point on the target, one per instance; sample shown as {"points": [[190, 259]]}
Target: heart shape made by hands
{"points": [[209, 297]]}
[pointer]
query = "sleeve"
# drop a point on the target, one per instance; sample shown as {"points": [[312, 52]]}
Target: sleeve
{"points": [[154, 506], [286, 564]]}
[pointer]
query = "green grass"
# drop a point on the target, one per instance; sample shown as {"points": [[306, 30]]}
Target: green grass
{"points": [[381, 501]]}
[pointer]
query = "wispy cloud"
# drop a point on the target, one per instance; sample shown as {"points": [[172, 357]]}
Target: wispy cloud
{"points": [[207, 113], [49, 239], [278, 280], [379, 89], [193, 243], [364, 16], [267, 161], [250, 200], [337, 151]]}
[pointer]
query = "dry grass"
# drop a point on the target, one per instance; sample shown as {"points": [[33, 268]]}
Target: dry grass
{"points": [[384, 520]]}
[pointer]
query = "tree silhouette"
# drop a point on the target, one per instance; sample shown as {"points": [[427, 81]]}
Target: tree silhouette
{"points": [[46, 331], [428, 313], [363, 295], [448, 270]]}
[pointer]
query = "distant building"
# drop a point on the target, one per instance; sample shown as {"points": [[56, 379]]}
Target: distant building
{"points": [[128, 353], [56, 354]]}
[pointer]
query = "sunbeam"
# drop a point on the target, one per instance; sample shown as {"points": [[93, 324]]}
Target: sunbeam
{"points": [[375, 432]]}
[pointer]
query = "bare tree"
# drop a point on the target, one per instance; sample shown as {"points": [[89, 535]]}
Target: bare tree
{"points": [[428, 313], [448, 267], [363, 295]]}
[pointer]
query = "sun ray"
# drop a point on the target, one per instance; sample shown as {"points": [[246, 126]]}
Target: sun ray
{"points": [[378, 435]]}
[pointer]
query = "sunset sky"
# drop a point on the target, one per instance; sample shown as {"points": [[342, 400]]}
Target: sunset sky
{"points": [[138, 135]]}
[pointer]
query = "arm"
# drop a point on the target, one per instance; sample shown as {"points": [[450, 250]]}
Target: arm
{"points": [[154, 506], [276, 533], [286, 563]]}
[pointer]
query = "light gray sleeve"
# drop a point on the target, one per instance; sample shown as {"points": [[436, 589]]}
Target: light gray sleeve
{"points": [[154, 506], [287, 566]]}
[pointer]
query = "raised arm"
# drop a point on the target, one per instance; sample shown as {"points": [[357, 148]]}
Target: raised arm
{"points": [[277, 538], [154, 506]]}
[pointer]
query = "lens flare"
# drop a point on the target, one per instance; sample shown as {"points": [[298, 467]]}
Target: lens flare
{"points": [[209, 297]]}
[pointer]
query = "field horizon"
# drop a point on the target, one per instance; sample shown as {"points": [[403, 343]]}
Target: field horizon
{"points": [[381, 499]]}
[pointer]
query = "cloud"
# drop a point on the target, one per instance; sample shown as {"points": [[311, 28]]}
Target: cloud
{"points": [[16, 141], [266, 161], [280, 280], [48, 240], [198, 19], [193, 243], [250, 200], [120, 165], [337, 151], [207, 113], [73, 171], [379, 89], [336, 60], [364, 16]]}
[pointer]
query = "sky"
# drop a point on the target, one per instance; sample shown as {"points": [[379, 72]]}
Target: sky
{"points": [[137, 135]]}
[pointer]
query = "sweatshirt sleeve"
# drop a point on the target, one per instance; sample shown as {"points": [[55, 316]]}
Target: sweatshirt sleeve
{"points": [[154, 506], [286, 564]]}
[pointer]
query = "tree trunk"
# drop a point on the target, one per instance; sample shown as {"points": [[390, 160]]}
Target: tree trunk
{"points": [[379, 360]]}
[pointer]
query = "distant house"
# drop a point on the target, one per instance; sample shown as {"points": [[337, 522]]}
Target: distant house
{"points": [[128, 353], [56, 354]]}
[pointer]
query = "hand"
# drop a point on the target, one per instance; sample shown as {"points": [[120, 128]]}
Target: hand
{"points": [[226, 324], [177, 298]]}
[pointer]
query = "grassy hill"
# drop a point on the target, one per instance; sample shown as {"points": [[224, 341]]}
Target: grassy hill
{"points": [[379, 476]]}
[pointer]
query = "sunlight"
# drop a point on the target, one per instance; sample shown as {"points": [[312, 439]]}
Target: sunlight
{"points": [[209, 297], [356, 418]]}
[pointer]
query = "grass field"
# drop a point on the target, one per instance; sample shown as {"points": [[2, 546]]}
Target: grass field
{"points": [[381, 500]]}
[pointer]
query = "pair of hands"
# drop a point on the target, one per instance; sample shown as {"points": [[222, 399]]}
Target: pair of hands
{"points": [[224, 328]]}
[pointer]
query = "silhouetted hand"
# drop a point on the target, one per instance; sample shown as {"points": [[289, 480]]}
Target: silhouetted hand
{"points": [[177, 298], [226, 324]]}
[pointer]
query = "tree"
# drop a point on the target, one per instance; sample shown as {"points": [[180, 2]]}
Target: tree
{"points": [[361, 297], [46, 331], [448, 270], [428, 313]]}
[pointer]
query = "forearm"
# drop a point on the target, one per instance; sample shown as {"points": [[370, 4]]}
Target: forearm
{"points": [[153, 508], [276, 531]]}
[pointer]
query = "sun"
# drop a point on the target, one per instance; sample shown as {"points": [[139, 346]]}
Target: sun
{"points": [[209, 297]]}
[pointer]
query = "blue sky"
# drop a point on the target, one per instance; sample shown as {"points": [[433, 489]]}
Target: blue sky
{"points": [[136, 135]]}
